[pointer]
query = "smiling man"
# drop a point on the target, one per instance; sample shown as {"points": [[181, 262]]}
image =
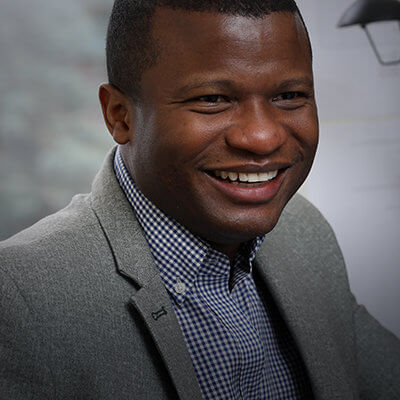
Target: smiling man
{"points": [[191, 270]]}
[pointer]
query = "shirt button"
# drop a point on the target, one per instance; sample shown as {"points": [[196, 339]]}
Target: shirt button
{"points": [[180, 287]]}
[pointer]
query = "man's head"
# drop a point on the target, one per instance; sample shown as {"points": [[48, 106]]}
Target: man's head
{"points": [[223, 92]]}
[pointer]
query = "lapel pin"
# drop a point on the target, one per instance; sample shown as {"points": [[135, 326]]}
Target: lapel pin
{"points": [[158, 314]]}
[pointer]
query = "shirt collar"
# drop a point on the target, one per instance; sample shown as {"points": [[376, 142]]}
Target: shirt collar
{"points": [[178, 254]]}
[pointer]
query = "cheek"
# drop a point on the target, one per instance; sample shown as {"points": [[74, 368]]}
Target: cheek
{"points": [[187, 135], [305, 131], [311, 129]]}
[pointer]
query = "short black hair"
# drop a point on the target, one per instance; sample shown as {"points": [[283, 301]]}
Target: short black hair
{"points": [[130, 49]]}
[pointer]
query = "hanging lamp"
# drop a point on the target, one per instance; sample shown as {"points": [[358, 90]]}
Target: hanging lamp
{"points": [[363, 12]]}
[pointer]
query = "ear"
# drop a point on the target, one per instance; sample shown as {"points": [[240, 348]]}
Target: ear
{"points": [[118, 113]]}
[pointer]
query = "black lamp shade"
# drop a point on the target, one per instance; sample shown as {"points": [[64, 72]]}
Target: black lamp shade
{"points": [[364, 11]]}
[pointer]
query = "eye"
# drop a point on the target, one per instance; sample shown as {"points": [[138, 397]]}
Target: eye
{"points": [[212, 98], [290, 100], [289, 96], [209, 104]]}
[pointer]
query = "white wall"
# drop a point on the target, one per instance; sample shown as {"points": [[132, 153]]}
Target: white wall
{"points": [[355, 180]]}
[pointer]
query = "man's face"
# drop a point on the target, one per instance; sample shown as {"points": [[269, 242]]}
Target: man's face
{"points": [[228, 95]]}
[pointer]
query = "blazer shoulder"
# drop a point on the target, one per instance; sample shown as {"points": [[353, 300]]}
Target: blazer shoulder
{"points": [[302, 233], [301, 218], [302, 211], [58, 236]]}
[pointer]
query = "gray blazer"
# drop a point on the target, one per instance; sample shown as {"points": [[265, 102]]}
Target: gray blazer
{"points": [[84, 313]]}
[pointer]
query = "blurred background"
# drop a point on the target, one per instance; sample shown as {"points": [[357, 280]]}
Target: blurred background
{"points": [[53, 139]]}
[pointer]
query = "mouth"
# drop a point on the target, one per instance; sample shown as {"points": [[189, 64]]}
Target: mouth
{"points": [[245, 179], [245, 187]]}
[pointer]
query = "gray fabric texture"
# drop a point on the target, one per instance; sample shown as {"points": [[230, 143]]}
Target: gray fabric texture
{"points": [[84, 314]]}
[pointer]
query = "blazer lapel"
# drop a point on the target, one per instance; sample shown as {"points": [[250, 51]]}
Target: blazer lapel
{"points": [[134, 260], [153, 302], [302, 295]]}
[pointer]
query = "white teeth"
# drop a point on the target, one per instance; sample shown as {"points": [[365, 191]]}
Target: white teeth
{"points": [[243, 177], [251, 177], [224, 175], [233, 176], [273, 174]]}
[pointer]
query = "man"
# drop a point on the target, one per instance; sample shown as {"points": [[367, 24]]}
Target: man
{"points": [[161, 283]]}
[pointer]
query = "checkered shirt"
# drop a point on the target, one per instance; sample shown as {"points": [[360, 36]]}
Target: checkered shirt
{"points": [[228, 330]]}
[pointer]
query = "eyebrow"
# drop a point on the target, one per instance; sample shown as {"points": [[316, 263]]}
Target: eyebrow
{"points": [[199, 84], [227, 84], [289, 83]]}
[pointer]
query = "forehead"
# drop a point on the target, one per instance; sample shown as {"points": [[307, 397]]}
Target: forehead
{"points": [[248, 52], [181, 32]]}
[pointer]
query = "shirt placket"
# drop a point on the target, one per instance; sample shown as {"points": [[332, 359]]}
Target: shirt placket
{"points": [[213, 286]]}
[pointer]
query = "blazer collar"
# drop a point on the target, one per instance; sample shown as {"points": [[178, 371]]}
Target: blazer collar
{"points": [[124, 234]]}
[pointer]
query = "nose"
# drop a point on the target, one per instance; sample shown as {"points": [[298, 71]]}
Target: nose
{"points": [[257, 129]]}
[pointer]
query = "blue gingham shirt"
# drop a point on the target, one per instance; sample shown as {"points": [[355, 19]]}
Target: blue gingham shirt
{"points": [[228, 331]]}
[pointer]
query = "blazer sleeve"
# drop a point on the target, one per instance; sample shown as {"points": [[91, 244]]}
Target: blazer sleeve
{"points": [[23, 372], [378, 352]]}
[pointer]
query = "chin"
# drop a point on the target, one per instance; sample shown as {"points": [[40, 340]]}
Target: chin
{"points": [[242, 228]]}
